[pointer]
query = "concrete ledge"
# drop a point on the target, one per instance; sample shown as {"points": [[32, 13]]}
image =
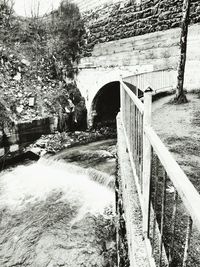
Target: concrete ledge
{"points": [[132, 211]]}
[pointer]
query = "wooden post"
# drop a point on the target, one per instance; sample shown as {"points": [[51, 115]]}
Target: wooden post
{"points": [[146, 161]]}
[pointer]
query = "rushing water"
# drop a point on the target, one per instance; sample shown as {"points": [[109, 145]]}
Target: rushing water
{"points": [[55, 213]]}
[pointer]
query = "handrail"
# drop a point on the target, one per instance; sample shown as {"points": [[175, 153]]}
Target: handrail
{"points": [[184, 187], [157, 80], [145, 72], [138, 103]]}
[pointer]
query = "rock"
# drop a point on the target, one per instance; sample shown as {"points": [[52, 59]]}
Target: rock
{"points": [[17, 77], [36, 150], [19, 95], [66, 145], [77, 132], [67, 110], [31, 101], [19, 108], [43, 152], [41, 143], [25, 62]]}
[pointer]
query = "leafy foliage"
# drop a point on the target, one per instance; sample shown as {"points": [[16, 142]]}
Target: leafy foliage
{"points": [[50, 46], [9, 25], [66, 32], [6, 12], [5, 116]]}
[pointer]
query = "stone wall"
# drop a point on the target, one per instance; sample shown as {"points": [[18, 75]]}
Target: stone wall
{"points": [[85, 5], [27, 132], [128, 19]]}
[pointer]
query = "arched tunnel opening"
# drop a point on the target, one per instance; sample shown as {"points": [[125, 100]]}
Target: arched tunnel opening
{"points": [[106, 105]]}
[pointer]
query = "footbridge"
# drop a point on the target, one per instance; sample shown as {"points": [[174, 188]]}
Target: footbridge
{"points": [[100, 87], [157, 206]]}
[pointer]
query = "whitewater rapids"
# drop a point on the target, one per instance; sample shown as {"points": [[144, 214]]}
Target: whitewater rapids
{"points": [[56, 214]]}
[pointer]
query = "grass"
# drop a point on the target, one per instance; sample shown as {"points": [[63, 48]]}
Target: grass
{"points": [[178, 127], [179, 234], [184, 145], [196, 118]]}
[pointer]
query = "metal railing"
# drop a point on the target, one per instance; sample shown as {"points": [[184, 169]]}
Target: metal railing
{"points": [[159, 80], [170, 204]]}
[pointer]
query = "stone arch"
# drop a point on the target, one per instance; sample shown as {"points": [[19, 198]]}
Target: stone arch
{"points": [[105, 105]]}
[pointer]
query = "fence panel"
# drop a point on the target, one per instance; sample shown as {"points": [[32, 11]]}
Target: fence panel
{"points": [[159, 81], [175, 206], [132, 111], [170, 203]]}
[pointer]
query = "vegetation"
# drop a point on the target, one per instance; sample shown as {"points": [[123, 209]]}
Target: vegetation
{"points": [[51, 46], [67, 25], [5, 121]]}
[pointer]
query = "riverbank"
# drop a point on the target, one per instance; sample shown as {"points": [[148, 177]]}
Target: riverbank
{"points": [[53, 143]]}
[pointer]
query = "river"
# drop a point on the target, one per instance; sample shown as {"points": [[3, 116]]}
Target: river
{"points": [[59, 211]]}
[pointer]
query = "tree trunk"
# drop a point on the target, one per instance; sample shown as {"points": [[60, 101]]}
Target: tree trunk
{"points": [[180, 94]]}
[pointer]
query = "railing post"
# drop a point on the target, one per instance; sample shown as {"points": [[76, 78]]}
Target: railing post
{"points": [[146, 161], [121, 95]]}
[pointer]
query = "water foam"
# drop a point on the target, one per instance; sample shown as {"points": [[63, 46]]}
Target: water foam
{"points": [[33, 183]]}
